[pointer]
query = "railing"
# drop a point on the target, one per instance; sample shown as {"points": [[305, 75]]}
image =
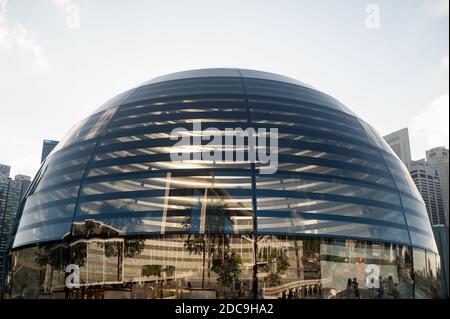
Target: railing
{"points": [[295, 284]]}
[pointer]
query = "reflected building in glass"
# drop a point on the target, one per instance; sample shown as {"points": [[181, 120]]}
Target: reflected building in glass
{"points": [[341, 217]]}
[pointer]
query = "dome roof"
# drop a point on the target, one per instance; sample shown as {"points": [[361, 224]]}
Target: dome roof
{"points": [[216, 73], [112, 175]]}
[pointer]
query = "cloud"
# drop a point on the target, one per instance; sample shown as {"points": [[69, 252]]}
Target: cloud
{"points": [[432, 123], [24, 157], [71, 9], [2, 11], [60, 3], [16, 38], [27, 165], [444, 62], [437, 8]]}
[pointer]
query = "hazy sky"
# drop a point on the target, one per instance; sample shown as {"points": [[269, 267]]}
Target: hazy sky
{"points": [[55, 68]]}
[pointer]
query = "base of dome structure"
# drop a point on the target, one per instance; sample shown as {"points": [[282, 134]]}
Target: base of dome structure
{"points": [[216, 266]]}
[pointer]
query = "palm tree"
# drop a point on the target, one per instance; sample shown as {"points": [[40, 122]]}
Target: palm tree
{"points": [[214, 243]]}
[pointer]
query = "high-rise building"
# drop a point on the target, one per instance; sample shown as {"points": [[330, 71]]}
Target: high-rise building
{"points": [[399, 142], [427, 181], [11, 193], [442, 242], [5, 169], [439, 159], [117, 201], [47, 148], [25, 180]]}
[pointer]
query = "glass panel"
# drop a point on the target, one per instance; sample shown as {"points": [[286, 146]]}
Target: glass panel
{"points": [[213, 266], [115, 101], [189, 87], [423, 288], [325, 225], [87, 129], [329, 269], [185, 266], [43, 232], [432, 277], [195, 74], [286, 91], [172, 202]]}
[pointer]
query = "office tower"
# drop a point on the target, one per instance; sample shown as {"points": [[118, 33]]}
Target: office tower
{"points": [[399, 142], [5, 169], [439, 159], [47, 148], [441, 236], [427, 181], [11, 193], [25, 180]]}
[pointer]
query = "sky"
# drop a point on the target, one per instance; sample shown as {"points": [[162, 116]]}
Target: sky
{"points": [[388, 61]]}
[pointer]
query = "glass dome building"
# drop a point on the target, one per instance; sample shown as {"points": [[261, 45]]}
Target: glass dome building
{"points": [[110, 214]]}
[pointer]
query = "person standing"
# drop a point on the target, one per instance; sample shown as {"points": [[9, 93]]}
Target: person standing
{"points": [[390, 287], [356, 288], [349, 289], [381, 289]]}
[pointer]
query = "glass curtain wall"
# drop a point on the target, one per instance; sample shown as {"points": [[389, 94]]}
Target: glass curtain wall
{"points": [[221, 266]]}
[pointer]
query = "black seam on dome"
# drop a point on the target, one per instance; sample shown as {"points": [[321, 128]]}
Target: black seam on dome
{"points": [[88, 164], [254, 198]]}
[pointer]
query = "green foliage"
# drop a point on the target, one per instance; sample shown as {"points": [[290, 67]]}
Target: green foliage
{"points": [[151, 270], [132, 247], [195, 244], [273, 279], [59, 256], [227, 269], [55, 256], [282, 261], [214, 245]]}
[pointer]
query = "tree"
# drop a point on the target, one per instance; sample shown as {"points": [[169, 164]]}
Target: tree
{"points": [[132, 247], [212, 245], [227, 268], [273, 279], [282, 261], [151, 270]]}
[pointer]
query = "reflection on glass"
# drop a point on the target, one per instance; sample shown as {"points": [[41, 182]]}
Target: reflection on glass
{"points": [[216, 265], [426, 274]]}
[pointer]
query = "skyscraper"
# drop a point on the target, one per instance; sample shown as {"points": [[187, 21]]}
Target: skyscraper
{"points": [[4, 169], [47, 148], [399, 142], [427, 181], [441, 236], [25, 180], [438, 158], [11, 193]]}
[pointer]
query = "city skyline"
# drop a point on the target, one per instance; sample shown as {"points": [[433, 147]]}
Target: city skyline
{"points": [[430, 174], [12, 191], [394, 76]]}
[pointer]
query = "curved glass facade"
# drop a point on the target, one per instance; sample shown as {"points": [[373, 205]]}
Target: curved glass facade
{"points": [[137, 224]]}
